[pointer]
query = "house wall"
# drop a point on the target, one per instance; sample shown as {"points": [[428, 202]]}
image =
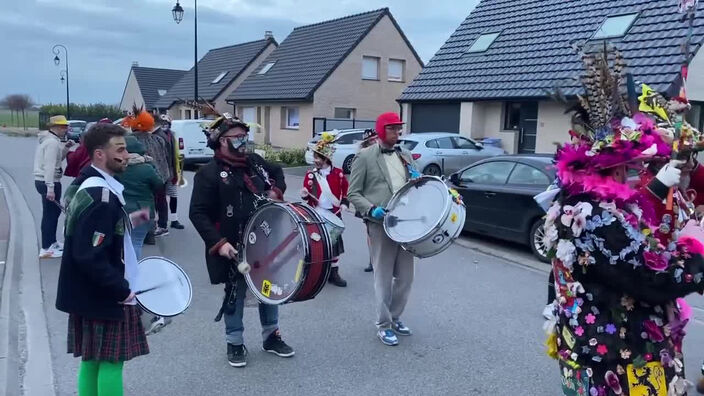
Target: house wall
{"points": [[695, 84], [345, 87], [553, 126], [132, 94], [273, 131]]}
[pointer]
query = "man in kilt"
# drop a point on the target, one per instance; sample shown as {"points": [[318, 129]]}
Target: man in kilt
{"points": [[98, 266]]}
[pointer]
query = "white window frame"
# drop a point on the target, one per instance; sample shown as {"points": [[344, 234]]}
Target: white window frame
{"points": [[476, 47], [161, 92], [266, 68], [287, 112], [351, 111], [378, 63], [403, 70], [600, 35], [219, 77]]}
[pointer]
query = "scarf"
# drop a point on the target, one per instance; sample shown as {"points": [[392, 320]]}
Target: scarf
{"points": [[238, 162]]}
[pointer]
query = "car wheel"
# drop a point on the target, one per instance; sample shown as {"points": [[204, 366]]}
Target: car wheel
{"points": [[347, 165], [537, 245], [432, 170]]}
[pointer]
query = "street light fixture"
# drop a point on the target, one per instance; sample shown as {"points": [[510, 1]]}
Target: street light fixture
{"points": [[64, 73], [177, 13]]}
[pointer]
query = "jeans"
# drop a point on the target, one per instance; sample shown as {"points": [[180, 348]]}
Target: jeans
{"points": [[50, 213], [138, 235], [234, 328]]}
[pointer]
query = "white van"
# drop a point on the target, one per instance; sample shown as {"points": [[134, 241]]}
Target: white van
{"points": [[192, 141]]}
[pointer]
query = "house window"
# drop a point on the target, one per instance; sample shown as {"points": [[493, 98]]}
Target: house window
{"points": [[370, 68], [512, 116], [396, 69], [219, 77], [266, 68], [615, 26], [187, 114], [291, 119], [483, 42], [161, 92], [342, 112]]}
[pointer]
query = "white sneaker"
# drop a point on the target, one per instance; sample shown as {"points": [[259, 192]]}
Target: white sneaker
{"points": [[549, 311], [50, 253], [57, 246]]}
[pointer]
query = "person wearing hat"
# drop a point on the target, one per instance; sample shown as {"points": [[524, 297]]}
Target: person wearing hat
{"points": [[326, 187], [378, 172], [48, 157], [226, 193]]}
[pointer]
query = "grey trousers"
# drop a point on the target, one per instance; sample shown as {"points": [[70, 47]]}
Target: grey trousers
{"points": [[393, 275]]}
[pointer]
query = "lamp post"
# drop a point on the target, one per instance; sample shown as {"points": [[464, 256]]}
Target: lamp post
{"points": [[64, 73], [177, 13]]}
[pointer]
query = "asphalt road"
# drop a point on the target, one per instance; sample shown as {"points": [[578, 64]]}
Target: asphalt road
{"points": [[476, 322]]}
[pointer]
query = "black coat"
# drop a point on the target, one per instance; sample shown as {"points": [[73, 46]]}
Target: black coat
{"points": [[221, 206], [92, 276]]}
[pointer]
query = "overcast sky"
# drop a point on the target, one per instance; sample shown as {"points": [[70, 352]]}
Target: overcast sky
{"points": [[104, 37]]}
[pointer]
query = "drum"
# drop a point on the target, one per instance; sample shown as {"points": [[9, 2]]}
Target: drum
{"points": [[289, 251], [162, 287], [334, 224], [424, 216]]}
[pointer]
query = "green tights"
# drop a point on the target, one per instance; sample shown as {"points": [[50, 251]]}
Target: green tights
{"points": [[100, 378]]}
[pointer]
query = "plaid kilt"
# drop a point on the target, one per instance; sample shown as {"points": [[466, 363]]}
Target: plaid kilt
{"points": [[108, 340]]}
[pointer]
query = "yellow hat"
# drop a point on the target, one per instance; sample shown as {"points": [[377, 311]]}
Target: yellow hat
{"points": [[57, 120]]}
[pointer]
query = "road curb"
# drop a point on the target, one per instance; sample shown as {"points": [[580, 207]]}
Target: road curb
{"points": [[23, 326], [503, 255]]}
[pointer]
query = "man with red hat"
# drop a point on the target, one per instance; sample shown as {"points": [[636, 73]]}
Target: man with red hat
{"points": [[378, 172]]}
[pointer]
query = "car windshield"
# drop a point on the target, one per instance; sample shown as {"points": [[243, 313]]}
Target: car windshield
{"points": [[408, 144], [77, 124]]}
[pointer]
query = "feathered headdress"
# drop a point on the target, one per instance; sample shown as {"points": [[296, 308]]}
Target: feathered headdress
{"points": [[139, 120], [325, 146]]}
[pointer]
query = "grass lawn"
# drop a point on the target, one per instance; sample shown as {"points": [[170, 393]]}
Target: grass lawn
{"points": [[31, 117]]}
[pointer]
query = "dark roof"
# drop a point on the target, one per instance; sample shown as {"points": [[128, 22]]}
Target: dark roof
{"points": [[234, 59], [306, 58], [150, 80], [534, 49]]}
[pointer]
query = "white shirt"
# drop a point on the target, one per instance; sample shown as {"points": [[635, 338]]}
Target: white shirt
{"points": [[396, 170]]}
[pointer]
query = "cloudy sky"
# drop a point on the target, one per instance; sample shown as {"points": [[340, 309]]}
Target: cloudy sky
{"points": [[104, 37]]}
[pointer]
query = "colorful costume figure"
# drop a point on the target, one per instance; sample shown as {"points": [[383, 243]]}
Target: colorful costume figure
{"points": [[618, 328]]}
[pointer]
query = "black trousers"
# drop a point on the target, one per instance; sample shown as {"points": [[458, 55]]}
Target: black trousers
{"points": [[551, 287], [50, 213], [162, 207]]}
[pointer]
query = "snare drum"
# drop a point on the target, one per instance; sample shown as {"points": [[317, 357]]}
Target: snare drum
{"points": [[289, 250], [162, 287], [424, 216], [333, 223]]}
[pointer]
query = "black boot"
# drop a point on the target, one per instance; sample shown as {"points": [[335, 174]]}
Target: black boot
{"points": [[149, 239], [335, 279], [175, 224], [369, 267]]}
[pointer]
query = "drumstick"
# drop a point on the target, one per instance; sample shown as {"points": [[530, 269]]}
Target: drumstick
{"points": [[152, 288], [394, 220], [63, 210]]}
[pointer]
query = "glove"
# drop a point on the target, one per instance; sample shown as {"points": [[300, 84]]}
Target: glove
{"points": [[670, 174], [378, 213], [304, 193], [414, 173]]}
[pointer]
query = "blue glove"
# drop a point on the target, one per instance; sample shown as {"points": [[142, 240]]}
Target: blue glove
{"points": [[378, 213], [414, 173]]}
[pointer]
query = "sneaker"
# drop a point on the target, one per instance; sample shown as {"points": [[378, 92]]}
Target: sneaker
{"points": [[387, 337], [161, 232], [549, 311], [158, 323], [50, 253], [274, 344], [236, 355], [401, 329], [149, 239], [57, 246], [177, 225]]}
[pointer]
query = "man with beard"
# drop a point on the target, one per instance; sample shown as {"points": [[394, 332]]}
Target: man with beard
{"points": [[99, 267], [226, 192], [378, 172]]}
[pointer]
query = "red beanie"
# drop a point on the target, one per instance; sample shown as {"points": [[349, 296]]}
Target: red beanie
{"points": [[383, 121]]}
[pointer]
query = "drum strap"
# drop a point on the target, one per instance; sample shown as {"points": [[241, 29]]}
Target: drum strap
{"points": [[325, 189]]}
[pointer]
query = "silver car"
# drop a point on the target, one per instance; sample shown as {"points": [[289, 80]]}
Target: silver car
{"points": [[443, 153]]}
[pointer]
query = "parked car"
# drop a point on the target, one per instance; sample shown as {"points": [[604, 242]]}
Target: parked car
{"points": [[192, 141], [75, 129], [346, 147], [499, 195], [442, 153]]}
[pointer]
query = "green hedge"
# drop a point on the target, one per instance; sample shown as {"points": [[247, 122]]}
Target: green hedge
{"points": [[285, 157], [88, 113]]}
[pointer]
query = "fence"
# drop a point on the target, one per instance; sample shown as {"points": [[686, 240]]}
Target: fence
{"points": [[322, 124]]}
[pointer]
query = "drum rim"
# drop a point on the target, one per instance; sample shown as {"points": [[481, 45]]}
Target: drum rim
{"points": [[333, 215], [436, 225], [188, 280], [445, 246]]}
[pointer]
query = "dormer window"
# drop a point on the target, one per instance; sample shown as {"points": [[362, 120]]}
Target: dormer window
{"points": [[266, 68], [219, 77], [161, 92], [615, 26], [483, 42]]}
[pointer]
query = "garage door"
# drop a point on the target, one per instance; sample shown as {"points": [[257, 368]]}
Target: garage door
{"points": [[435, 117]]}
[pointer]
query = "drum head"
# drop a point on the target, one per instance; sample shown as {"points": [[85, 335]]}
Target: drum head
{"points": [[276, 252], [417, 208], [330, 217], [168, 288]]}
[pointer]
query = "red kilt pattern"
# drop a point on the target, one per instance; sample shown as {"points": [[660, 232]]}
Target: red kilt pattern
{"points": [[108, 340]]}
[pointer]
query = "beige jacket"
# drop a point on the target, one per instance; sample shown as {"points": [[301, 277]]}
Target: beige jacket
{"points": [[48, 157], [370, 181]]}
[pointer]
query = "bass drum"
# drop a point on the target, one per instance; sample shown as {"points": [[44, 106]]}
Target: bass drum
{"points": [[289, 251]]}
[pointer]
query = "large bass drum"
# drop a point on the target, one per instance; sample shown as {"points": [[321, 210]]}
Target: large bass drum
{"points": [[289, 251], [424, 216]]}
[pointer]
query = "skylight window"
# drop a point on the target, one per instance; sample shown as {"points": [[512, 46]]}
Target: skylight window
{"points": [[219, 77], [483, 42], [615, 26], [266, 68], [162, 92]]}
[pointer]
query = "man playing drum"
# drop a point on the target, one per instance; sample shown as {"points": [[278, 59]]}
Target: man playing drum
{"points": [[325, 187], [226, 192], [99, 266], [378, 172]]}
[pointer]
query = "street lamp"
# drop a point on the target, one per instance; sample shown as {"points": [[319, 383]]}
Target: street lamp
{"points": [[177, 13], [64, 73]]}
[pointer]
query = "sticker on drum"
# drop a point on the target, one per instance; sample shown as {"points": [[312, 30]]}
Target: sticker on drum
{"points": [[453, 217], [266, 228], [252, 238], [315, 236], [266, 288], [438, 239], [299, 271]]}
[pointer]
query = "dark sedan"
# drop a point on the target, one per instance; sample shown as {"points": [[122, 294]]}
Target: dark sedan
{"points": [[499, 195]]}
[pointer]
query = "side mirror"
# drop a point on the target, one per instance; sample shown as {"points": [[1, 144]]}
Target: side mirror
{"points": [[455, 179], [479, 145]]}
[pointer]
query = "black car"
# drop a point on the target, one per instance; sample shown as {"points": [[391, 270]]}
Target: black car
{"points": [[499, 193]]}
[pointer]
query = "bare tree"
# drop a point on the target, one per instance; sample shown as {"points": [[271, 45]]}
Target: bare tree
{"points": [[18, 103]]}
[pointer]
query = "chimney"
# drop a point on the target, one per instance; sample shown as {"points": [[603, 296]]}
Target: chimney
{"points": [[135, 64], [268, 34]]}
